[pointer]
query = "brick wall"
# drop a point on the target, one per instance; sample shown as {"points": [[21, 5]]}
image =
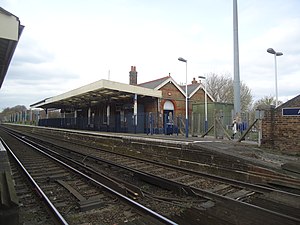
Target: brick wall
{"points": [[282, 132], [170, 92]]}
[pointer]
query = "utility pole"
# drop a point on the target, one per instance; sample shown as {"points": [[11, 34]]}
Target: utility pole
{"points": [[236, 81]]}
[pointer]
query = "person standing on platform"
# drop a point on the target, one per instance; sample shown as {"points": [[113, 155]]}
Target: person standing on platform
{"points": [[234, 128]]}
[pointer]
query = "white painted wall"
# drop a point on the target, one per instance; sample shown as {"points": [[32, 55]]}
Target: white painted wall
{"points": [[9, 27]]}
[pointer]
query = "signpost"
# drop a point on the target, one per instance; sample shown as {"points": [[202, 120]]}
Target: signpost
{"points": [[291, 111]]}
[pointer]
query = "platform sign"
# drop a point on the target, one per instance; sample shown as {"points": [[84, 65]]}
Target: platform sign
{"points": [[291, 111]]}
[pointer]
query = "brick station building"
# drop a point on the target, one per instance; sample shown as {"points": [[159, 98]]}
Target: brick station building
{"points": [[281, 127], [112, 106]]}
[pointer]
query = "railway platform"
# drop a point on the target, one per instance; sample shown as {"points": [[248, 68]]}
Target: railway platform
{"points": [[262, 158], [154, 159], [9, 203], [246, 150]]}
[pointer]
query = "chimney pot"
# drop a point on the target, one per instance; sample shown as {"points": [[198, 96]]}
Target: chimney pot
{"points": [[133, 76], [194, 81]]}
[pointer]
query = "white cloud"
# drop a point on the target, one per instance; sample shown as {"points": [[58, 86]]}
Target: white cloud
{"points": [[66, 44]]}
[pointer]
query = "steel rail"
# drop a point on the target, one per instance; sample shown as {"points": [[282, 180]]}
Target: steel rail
{"points": [[132, 202], [207, 194], [236, 204], [256, 187], [282, 178], [53, 209], [245, 206], [188, 189]]}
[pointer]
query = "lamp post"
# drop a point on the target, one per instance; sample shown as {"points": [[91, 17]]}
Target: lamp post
{"points": [[205, 122], [272, 51], [186, 99]]}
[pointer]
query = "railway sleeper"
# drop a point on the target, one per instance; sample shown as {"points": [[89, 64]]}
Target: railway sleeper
{"points": [[84, 204], [241, 194], [122, 187], [163, 183], [232, 210], [91, 203]]}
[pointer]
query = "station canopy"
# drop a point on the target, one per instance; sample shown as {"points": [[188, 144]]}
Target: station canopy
{"points": [[10, 32], [102, 91]]}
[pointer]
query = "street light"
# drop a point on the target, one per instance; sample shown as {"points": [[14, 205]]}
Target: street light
{"points": [[272, 51], [186, 99], [205, 122]]}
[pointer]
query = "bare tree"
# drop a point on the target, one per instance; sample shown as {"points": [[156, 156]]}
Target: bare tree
{"points": [[220, 87], [265, 101], [8, 111]]}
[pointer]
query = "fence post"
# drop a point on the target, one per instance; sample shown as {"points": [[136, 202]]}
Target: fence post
{"points": [[151, 124], [165, 123], [199, 124]]}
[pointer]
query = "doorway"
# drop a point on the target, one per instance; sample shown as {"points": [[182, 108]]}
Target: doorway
{"points": [[168, 117]]}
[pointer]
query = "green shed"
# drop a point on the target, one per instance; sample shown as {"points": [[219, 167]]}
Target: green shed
{"points": [[222, 111]]}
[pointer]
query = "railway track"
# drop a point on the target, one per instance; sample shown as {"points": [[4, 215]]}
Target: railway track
{"points": [[185, 154], [269, 206], [72, 196]]}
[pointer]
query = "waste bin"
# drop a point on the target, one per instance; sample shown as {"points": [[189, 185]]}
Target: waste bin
{"points": [[169, 128]]}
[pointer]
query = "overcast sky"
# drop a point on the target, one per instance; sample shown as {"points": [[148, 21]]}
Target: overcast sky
{"points": [[70, 43]]}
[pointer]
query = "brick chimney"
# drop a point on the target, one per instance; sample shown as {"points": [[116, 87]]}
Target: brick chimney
{"points": [[133, 76], [194, 81]]}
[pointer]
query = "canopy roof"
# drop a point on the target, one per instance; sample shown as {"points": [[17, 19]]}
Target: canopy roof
{"points": [[10, 32], [94, 93]]}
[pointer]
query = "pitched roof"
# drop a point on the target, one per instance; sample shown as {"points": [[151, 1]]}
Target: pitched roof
{"points": [[153, 83], [193, 88], [160, 82], [292, 101], [190, 88]]}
